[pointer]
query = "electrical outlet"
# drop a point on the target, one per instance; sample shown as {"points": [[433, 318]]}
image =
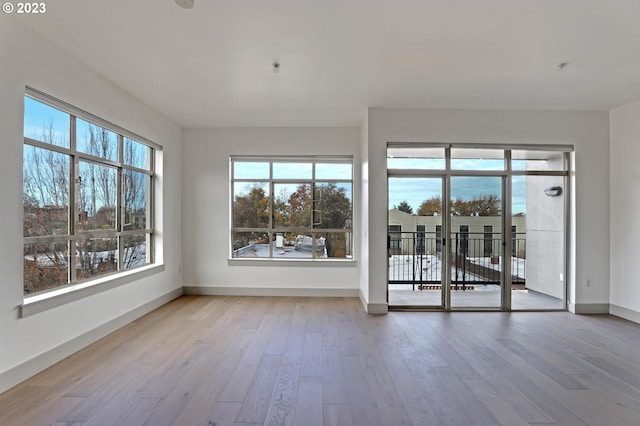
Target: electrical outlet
{"points": [[179, 269], [588, 282]]}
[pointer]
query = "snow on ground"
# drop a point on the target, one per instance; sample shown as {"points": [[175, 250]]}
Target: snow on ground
{"points": [[262, 250], [134, 259], [429, 268]]}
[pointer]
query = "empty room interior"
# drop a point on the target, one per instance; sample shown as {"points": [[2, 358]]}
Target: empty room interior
{"points": [[320, 212]]}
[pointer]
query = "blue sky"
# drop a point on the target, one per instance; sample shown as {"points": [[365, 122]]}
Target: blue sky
{"points": [[38, 116], [416, 190]]}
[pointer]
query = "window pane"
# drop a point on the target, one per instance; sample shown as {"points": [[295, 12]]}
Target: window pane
{"points": [[96, 256], [250, 170], [531, 160], [335, 171], [332, 206], [292, 170], [136, 154], [477, 159], [337, 244], [292, 206], [45, 123], [307, 246], [45, 185], [135, 250], [95, 140], [420, 158], [476, 196], [250, 244], [45, 266], [96, 196], [136, 191], [250, 205]]}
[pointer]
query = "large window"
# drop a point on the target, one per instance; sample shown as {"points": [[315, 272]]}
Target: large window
{"points": [[87, 196], [292, 207]]}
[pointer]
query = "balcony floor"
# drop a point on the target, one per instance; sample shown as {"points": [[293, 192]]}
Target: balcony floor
{"points": [[482, 296]]}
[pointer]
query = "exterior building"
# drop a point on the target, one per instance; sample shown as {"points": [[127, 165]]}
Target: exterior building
{"points": [[478, 236]]}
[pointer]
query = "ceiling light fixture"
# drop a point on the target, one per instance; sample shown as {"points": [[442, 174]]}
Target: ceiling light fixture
{"points": [[276, 67], [186, 4]]}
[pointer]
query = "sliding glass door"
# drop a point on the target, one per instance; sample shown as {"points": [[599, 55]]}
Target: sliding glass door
{"points": [[476, 242], [414, 242], [474, 227]]}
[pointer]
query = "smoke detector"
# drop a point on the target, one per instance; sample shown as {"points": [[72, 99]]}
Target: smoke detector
{"points": [[186, 4]]}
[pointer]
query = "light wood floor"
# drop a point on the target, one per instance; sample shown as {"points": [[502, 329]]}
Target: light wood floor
{"points": [[313, 361]]}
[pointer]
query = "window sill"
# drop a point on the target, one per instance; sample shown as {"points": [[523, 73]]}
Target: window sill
{"points": [[292, 262], [52, 299]]}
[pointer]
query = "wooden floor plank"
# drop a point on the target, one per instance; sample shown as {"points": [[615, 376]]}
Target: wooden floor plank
{"points": [[334, 387], [336, 415], [309, 409], [238, 385], [311, 363], [538, 395], [419, 409], [363, 405], [388, 402], [256, 404], [281, 410], [503, 412], [222, 414], [44, 414]]}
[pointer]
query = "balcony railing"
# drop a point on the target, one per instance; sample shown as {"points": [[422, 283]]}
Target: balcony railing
{"points": [[476, 258]]}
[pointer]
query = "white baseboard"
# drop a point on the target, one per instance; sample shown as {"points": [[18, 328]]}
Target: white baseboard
{"points": [[31, 367], [373, 308], [377, 308], [628, 314], [270, 291], [589, 308]]}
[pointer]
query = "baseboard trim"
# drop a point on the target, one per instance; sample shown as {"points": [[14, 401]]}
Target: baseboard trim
{"points": [[628, 314], [33, 366], [363, 300], [270, 291], [589, 308], [377, 308]]}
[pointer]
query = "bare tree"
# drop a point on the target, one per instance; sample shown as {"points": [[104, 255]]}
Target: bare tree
{"points": [[46, 212], [97, 203]]}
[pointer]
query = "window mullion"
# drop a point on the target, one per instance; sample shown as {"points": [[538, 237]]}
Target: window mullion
{"points": [[271, 216], [120, 191], [73, 199]]}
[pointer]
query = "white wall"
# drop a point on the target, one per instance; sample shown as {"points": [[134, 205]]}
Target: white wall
{"points": [[545, 235], [364, 217], [625, 210], [27, 344], [207, 269], [588, 131]]}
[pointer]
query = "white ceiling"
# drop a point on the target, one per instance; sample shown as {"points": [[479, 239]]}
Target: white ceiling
{"points": [[212, 65]]}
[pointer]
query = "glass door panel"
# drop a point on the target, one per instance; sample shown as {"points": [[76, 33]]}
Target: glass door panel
{"points": [[538, 242], [476, 242], [414, 242]]}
